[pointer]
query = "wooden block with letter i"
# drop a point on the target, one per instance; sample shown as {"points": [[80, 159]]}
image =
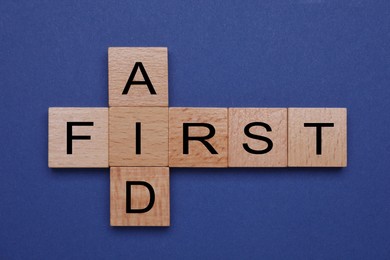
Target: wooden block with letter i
{"points": [[138, 136], [317, 137], [78, 137], [257, 137], [138, 77], [198, 137], [139, 196]]}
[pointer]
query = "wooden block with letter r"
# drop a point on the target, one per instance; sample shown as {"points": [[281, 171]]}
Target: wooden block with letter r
{"points": [[198, 137], [138, 77], [257, 137], [139, 196], [78, 137], [317, 137]]}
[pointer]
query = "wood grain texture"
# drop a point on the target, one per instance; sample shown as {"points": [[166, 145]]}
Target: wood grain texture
{"points": [[302, 140], [85, 153], [121, 61], [199, 155], [154, 136], [276, 118], [158, 178]]}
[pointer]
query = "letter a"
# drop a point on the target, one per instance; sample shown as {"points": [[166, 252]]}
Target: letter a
{"points": [[146, 81]]}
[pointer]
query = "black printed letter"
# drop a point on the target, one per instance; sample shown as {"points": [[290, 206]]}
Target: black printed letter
{"points": [[70, 136], [138, 138], [146, 81], [318, 127], [201, 139], [128, 197], [258, 137]]}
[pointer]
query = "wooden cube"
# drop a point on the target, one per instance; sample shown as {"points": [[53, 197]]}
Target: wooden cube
{"points": [[139, 196], [317, 137], [78, 137], [138, 136], [257, 137], [198, 137], [138, 77]]}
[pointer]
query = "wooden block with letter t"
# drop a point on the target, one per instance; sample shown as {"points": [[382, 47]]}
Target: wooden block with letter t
{"points": [[138, 77], [198, 137], [317, 137], [257, 137], [78, 137], [138, 136], [139, 196]]}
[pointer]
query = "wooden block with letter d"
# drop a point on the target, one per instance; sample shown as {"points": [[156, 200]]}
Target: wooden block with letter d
{"points": [[317, 137], [138, 136], [138, 77], [257, 137], [139, 196], [78, 137], [198, 137]]}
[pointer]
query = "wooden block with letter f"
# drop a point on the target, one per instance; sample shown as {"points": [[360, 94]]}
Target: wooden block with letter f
{"points": [[78, 137]]}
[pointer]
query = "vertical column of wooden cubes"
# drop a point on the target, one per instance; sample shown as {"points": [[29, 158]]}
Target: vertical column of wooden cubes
{"points": [[138, 127]]}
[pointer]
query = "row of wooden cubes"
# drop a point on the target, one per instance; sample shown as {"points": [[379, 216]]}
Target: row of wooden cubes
{"points": [[197, 137]]}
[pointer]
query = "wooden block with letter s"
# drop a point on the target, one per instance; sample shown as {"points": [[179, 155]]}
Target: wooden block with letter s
{"points": [[257, 137]]}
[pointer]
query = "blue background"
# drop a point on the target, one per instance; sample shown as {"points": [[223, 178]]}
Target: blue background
{"points": [[309, 53]]}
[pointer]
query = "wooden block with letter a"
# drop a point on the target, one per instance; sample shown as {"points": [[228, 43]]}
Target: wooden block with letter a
{"points": [[317, 137], [138, 77], [139, 196], [138, 136], [198, 137], [257, 137], [78, 137]]}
